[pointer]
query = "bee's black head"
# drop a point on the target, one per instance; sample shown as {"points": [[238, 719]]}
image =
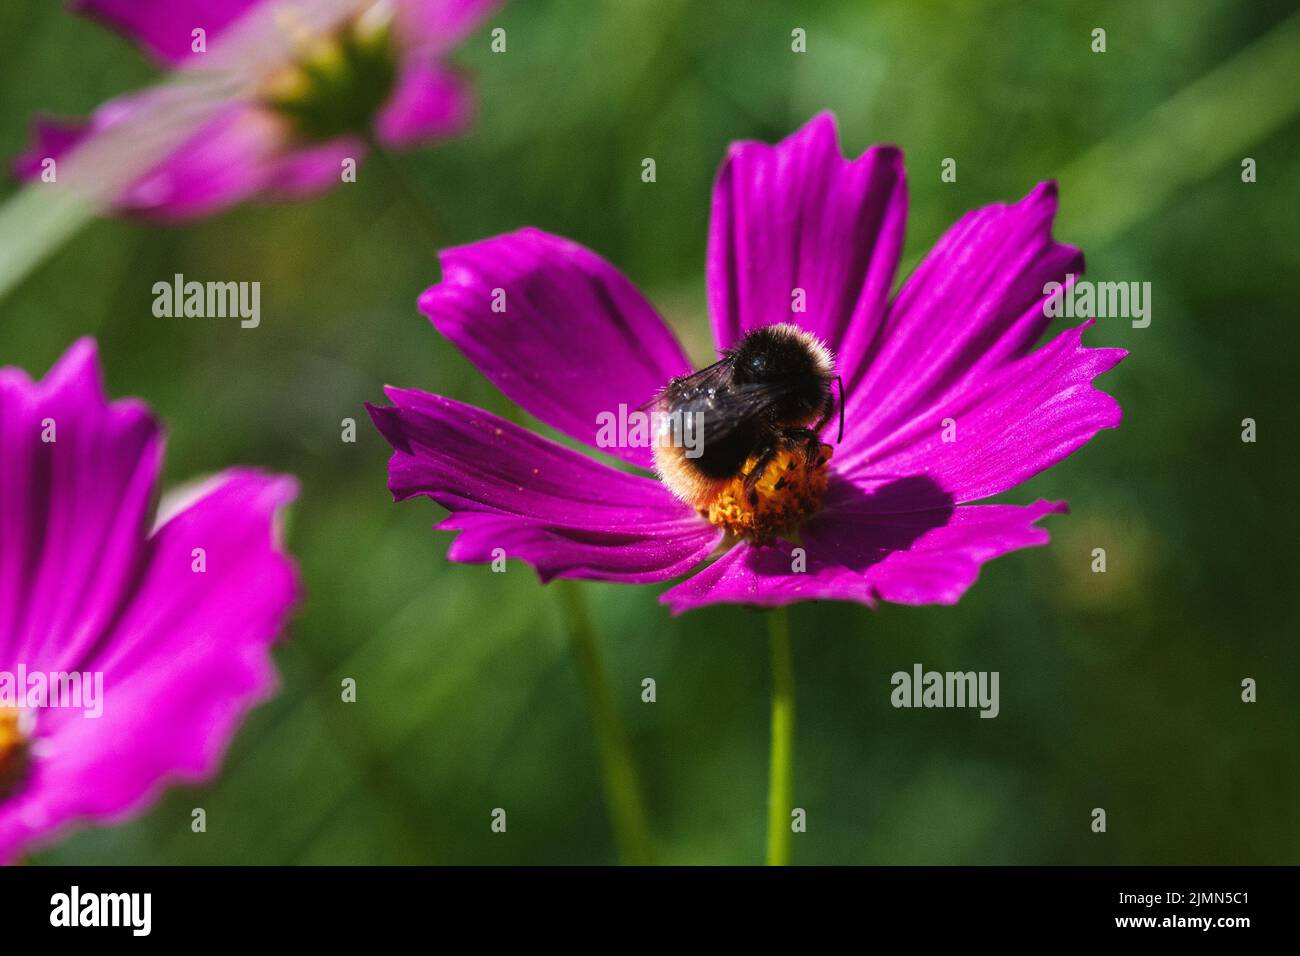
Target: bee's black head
{"points": [[791, 360]]}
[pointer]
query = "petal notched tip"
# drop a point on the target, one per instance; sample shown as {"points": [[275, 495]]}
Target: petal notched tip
{"points": [[821, 134], [384, 418]]}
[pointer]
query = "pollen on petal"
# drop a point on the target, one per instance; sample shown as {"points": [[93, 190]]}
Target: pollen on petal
{"points": [[790, 489]]}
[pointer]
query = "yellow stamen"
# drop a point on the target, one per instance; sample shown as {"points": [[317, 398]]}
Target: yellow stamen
{"points": [[336, 81], [315, 57], [13, 751], [790, 489]]}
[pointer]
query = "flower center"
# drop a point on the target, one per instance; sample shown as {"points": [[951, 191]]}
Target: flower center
{"points": [[789, 490], [340, 80], [13, 751]]}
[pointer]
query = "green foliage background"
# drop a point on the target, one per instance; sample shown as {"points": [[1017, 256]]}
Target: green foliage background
{"points": [[1119, 691]]}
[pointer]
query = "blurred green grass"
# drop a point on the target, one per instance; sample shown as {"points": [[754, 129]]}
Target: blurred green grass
{"points": [[1119, 692]]}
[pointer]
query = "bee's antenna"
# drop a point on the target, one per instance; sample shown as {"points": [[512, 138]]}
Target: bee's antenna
{"points": [[841, 381]]}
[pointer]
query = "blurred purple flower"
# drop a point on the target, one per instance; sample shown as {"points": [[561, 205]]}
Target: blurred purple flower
{"points": [[377, 76], [956, 342], [86, 588]]}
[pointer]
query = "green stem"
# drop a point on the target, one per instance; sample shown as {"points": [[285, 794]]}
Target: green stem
{"points": [[618, 770], [780, 784]]}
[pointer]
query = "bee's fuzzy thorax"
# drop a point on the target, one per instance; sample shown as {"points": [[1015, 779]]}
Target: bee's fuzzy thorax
{"points": [[815, 347]]}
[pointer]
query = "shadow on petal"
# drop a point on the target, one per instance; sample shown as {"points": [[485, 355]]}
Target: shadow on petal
{"points": [[834, 554]]}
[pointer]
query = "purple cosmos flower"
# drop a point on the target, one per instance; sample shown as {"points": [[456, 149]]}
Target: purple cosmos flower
{"points": [[377, 75], [165, 632], [948, 401]]}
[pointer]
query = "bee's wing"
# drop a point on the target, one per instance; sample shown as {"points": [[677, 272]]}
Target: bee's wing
{"points": [[740, 405], [713, 376], [731, 407]]}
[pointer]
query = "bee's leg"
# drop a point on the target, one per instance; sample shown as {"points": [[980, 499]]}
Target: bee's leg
{"points": [[809, 440], [765, 457]]}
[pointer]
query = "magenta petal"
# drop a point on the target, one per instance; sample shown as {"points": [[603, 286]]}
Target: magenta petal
{"points": [[305, 171], [570, 337], [73, 511], [243, 152], [51, 139], [434, 26], [429, 102], [561, 511], [638, 555], [1009, 424], [164, 27], [936, 564], [798, 215], [912, 557], [186, 660], [975, 302], [226, 162]]}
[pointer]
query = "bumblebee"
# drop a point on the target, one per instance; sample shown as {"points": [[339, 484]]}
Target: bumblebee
{"points": [[761, 464]]}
